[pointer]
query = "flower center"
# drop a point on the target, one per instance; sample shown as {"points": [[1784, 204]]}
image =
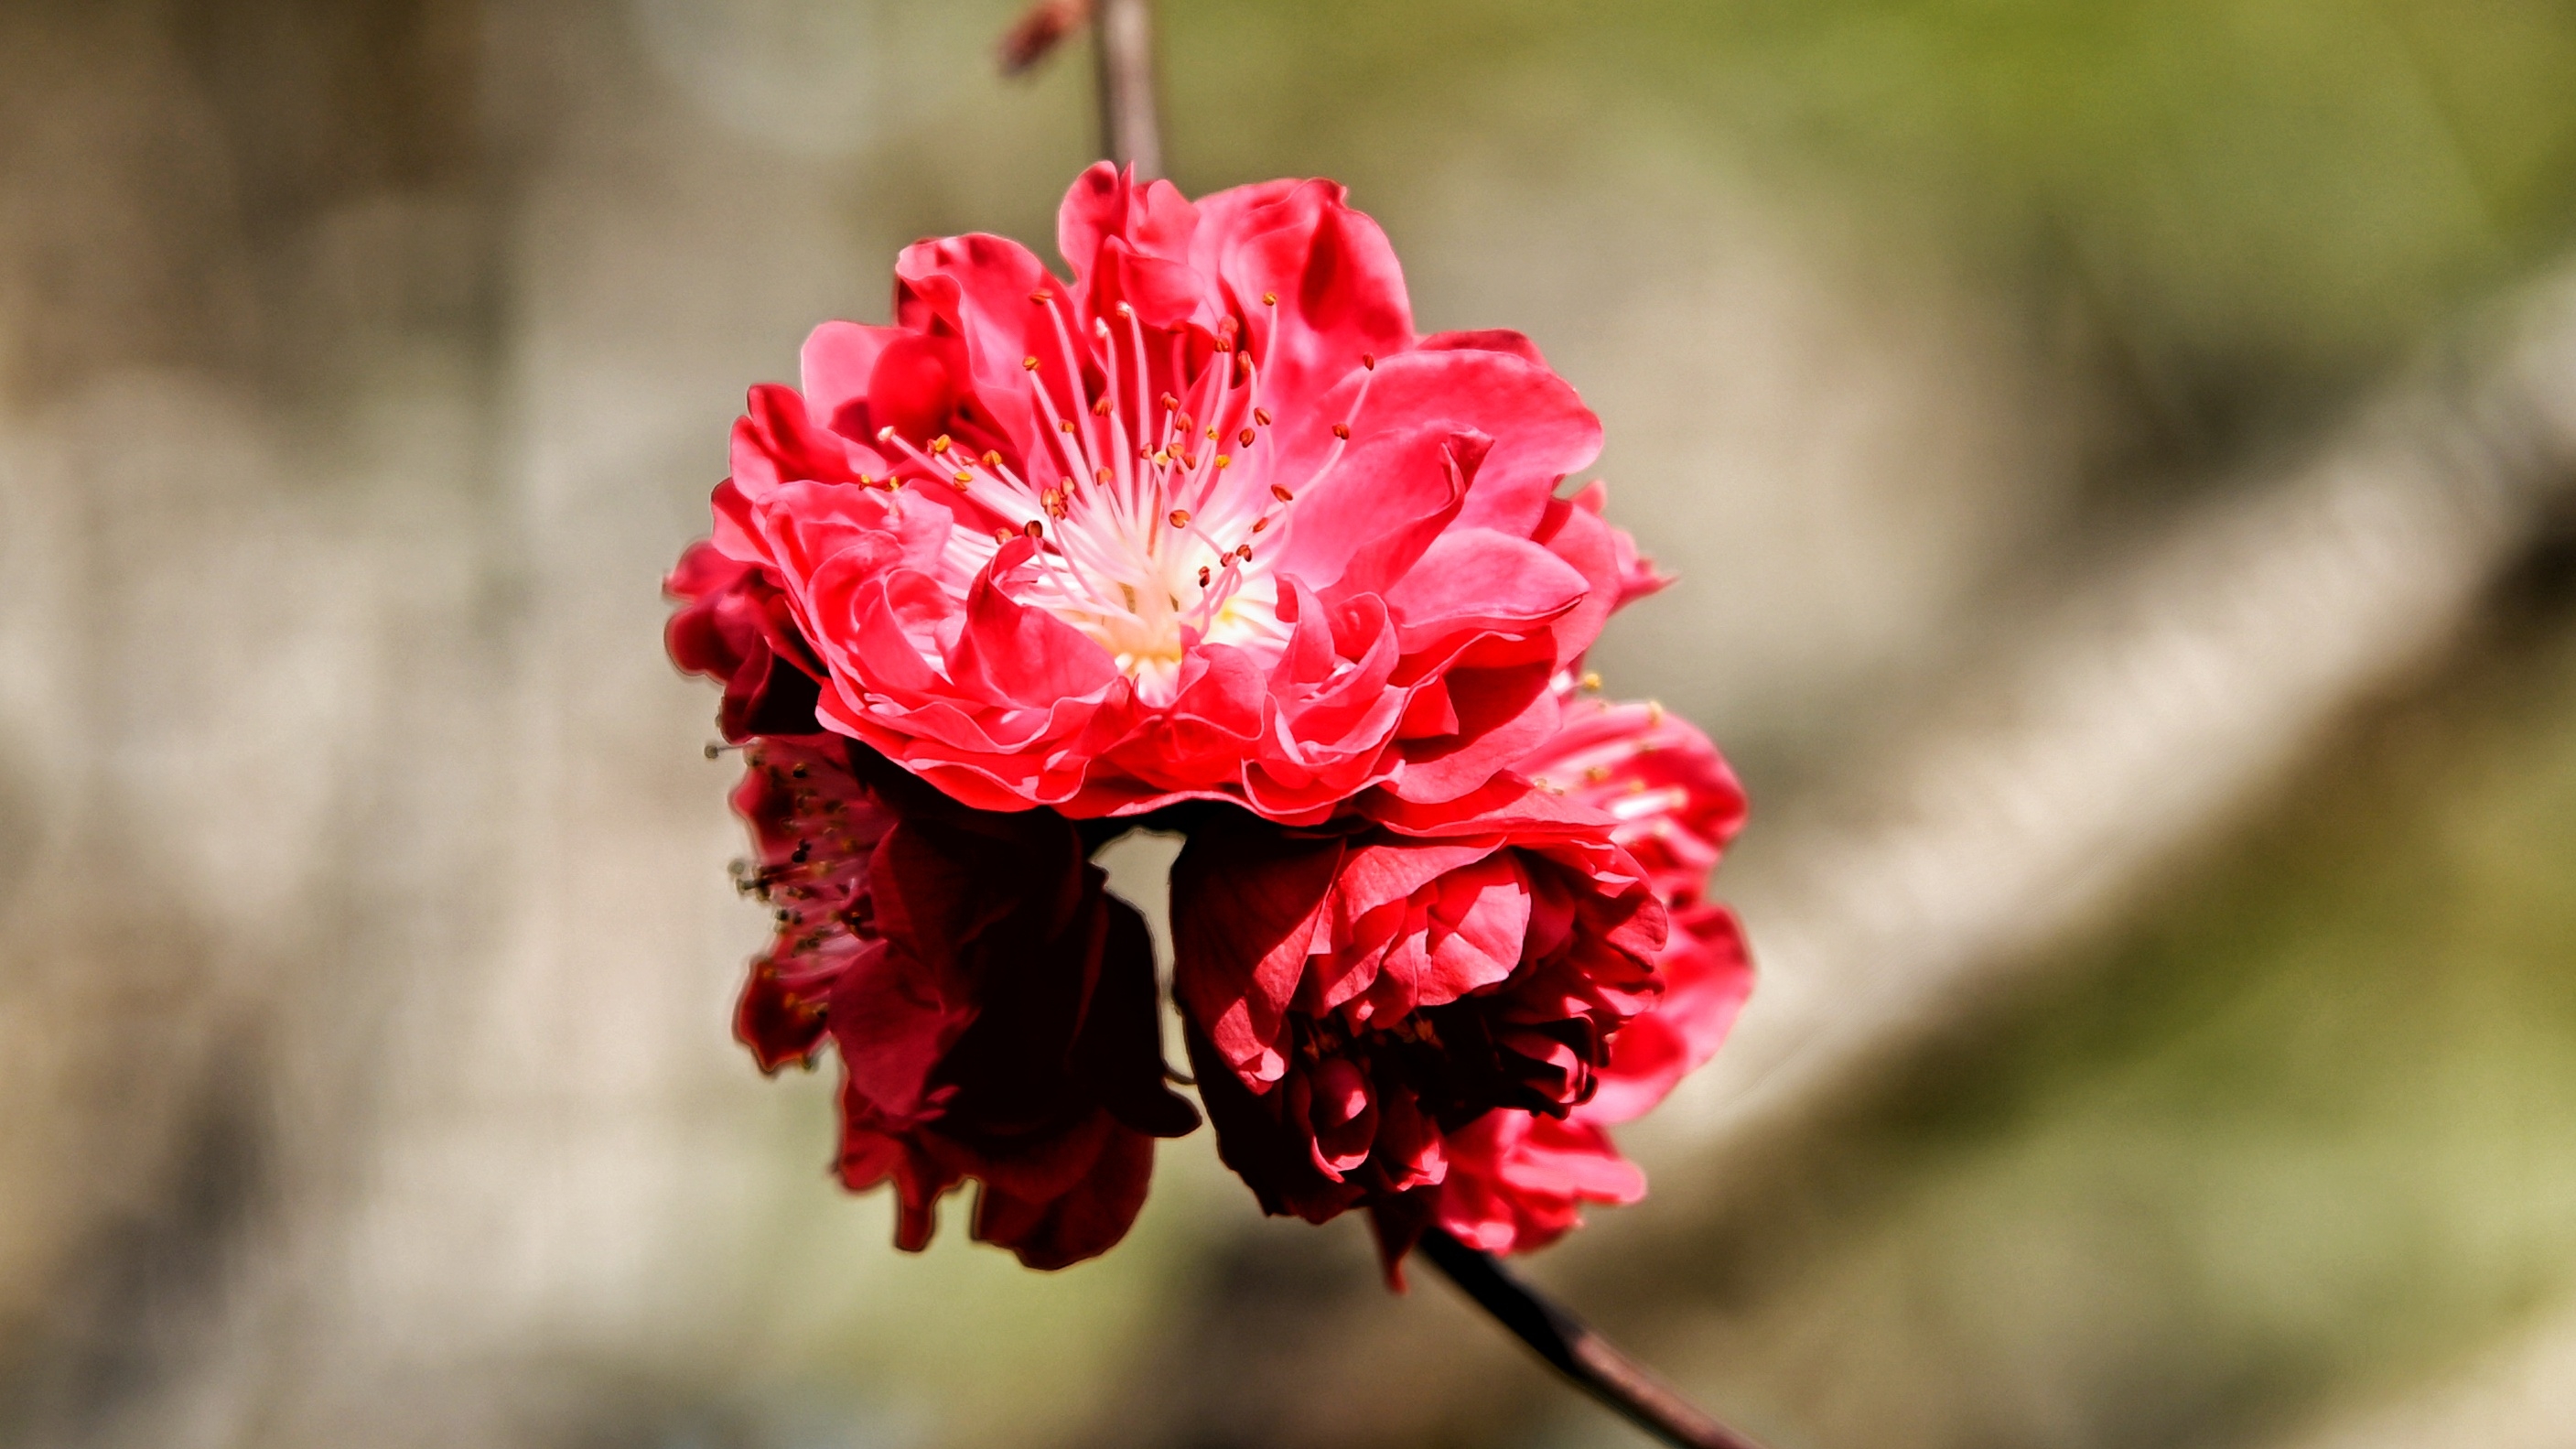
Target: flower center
{"points": [[1157, 514]]}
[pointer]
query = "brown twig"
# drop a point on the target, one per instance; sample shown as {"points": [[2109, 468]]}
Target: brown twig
{"points": [[1123, 41], [1130, 131], [1039, 31], [1618, 1381]]}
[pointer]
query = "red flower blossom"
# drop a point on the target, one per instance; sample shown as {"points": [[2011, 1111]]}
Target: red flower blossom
{"points": [[1354, 995], [733, 626], [1208, 521], [1517, 1179], [1676, 802], [992, 1005], [814, 829], [1206, 531]]}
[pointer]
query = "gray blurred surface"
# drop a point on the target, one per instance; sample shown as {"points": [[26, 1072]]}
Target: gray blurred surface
{"points": [[2161, 837]]}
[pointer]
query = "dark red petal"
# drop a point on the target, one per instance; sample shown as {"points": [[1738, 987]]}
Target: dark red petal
{"points": [[1245, 903], [778, 1027], [1084, 1222], [1119, 1055]]}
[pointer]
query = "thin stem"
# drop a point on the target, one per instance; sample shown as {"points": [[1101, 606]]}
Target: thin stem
{"points": [[1123, 37], [1618, 1381], [1130, 134]]}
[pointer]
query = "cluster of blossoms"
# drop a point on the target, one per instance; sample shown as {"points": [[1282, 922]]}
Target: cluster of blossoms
{"points": [[1205, 539]]}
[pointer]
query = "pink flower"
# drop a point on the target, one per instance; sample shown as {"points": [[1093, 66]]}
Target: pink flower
{"points": [[1354, 995], [1207, 521], [993, 1007], [1516, 1179]]}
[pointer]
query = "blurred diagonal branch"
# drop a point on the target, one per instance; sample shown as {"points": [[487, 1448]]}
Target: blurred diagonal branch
{"points": [[2520, 1396], [2139, 718]]}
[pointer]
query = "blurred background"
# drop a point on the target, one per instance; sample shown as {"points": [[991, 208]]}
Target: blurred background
{"points": [[2121, 460]]}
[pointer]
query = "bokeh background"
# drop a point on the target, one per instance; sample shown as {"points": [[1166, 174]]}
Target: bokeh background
{"points": [[2120, 454]]}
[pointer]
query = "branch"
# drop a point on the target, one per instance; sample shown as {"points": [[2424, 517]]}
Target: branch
{"points": [[1036, 34], [2519, 1394], [1130, 132], [1618, 1381]]}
